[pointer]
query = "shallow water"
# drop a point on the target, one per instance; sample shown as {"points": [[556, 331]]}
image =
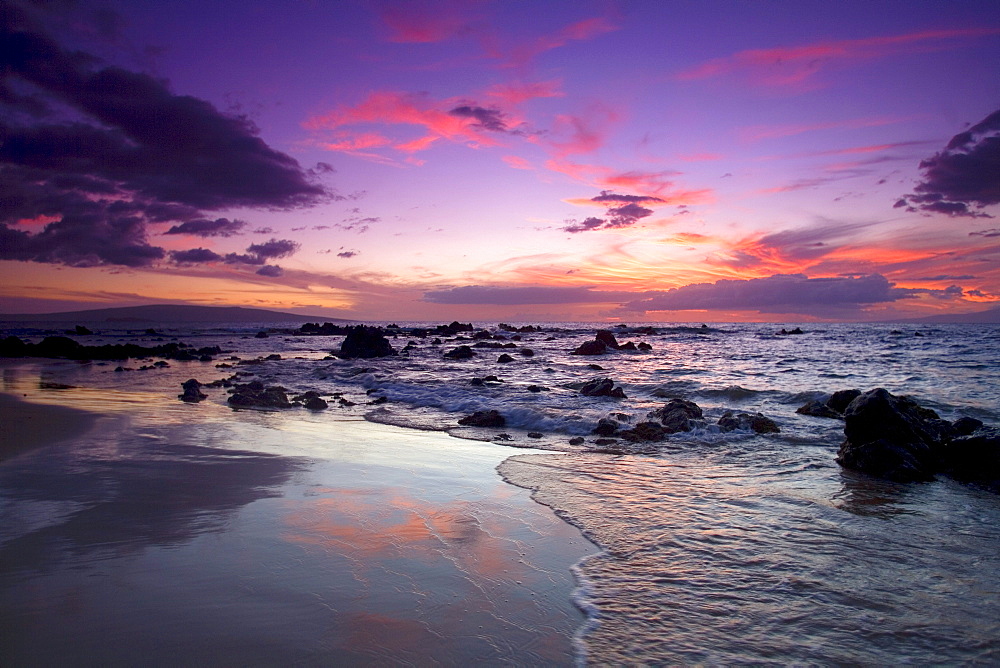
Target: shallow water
{"points": [[721, 548]]}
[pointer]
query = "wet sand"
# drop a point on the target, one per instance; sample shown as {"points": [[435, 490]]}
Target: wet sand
{"points": [[27, 425], [202, 535]]}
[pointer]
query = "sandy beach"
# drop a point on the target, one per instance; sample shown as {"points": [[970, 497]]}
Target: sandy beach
{"points": [[159, 533]]}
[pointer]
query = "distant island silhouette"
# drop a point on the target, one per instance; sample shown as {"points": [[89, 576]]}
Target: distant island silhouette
{"points": [[169, 313]]}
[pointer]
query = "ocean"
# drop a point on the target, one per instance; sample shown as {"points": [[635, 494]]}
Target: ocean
{"points": [[714, 547]]}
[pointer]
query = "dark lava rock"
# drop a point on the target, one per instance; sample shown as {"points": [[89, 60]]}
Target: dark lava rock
{"points": [[644, 346], [607, 338], [315, 404], [606, 427], [754, 422], [460, 353], [80, 330], [535, 434], [840, 400], [13, 347], [261, 335], [504, 359], [888, 437], [576, 440], [537, 388], [255, 395], [595, 367], [489, 418], [378, 401], [785, 332], [629, 346], [527, 352], [644, 431], [676, 415], [602, 387], [964, 426], [365, 343], [819, 409], [192, 392], [590, 348], [974, 458]]}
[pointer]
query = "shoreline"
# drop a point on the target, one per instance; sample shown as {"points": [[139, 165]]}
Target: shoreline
{"points": [[376, 543]]}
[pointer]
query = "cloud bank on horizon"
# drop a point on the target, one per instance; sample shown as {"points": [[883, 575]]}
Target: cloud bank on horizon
{"points": [[593, 162]]}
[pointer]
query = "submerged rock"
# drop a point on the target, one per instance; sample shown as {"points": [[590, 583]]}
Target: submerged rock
{"points": [[602, 387], [676, 415], [819, 409], [590, 348], [489, 418], [460, 353], [755, 422]]}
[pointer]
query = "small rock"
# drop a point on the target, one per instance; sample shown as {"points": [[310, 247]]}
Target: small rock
{"points": [[576, 440], [504, 359], [489, 418]]}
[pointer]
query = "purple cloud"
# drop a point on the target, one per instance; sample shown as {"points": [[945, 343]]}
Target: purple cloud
{"points": [[106, 151], [487, 119], [963, 178], [220, 227], [194, 256], [274, 248], [270, 270], [791, 293]]}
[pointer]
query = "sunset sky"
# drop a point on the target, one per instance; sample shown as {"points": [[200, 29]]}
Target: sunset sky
{"points": [[517, 161]]}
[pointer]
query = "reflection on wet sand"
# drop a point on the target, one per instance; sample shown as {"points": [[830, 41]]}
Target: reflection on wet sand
{"points": [[165, 537]]}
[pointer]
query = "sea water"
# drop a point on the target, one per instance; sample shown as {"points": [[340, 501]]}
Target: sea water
{"points": [[717, 547]]}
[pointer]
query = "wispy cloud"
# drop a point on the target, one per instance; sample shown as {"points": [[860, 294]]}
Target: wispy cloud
{"points": [[797, 66]]}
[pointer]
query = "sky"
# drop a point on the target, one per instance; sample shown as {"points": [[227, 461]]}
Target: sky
{"points": [[513, 161]]}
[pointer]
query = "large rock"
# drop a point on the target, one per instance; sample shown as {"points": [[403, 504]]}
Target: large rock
{"points": [[602, 387], [676, 415], [607, 338], [840, 400], [590, 348], [365, 343], [974, 458], [889, 437]]}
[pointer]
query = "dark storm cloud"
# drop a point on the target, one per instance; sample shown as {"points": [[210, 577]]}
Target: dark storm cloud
{"points": [[964, 177], [270, 270], [220, 227], [482, 294], [792, 293], [488, 119], [274, 248], [105, 151]]}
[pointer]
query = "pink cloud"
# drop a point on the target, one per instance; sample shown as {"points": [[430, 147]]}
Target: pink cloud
{"points": [[789, 66], [758, 132], [517, 162], [522, 56], [516, 93], [423, 23]]}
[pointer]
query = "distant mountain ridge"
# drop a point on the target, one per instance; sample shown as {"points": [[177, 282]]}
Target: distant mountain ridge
{"points": [[169, 313]]}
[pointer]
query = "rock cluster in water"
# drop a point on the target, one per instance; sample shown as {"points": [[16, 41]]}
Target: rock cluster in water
{"points": [[894, 438], [604, 341], [365, 343], [65, 347]]}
